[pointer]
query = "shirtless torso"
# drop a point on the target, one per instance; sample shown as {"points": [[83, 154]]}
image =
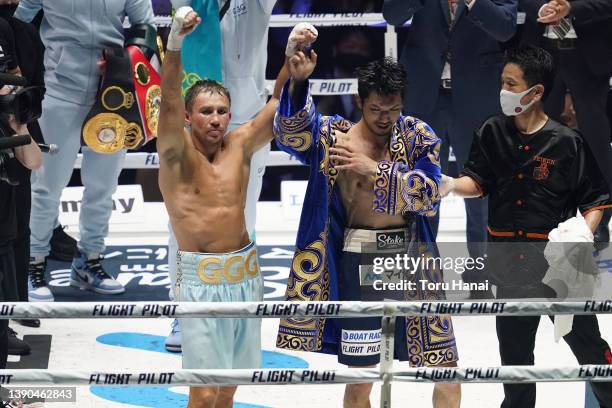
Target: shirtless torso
{"points": [[204, 173], [356, 189], [206, 202]]}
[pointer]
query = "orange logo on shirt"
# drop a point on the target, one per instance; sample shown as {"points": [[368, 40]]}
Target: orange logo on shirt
{"points": [[541, 172]]}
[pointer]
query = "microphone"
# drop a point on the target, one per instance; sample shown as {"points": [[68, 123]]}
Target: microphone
{"points": [[14, 141], [48, 148]]}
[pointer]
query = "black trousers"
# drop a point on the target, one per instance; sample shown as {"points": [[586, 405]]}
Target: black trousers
{"points": [[516, 336], [21, 244], [7, 293], [589, 93]]}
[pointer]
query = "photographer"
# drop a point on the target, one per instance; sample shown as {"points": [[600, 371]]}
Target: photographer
{"points": [[30, 157], [29, 51]]}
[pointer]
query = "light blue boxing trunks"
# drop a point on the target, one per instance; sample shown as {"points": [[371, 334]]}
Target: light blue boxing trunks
{"points": [[231, 277]]}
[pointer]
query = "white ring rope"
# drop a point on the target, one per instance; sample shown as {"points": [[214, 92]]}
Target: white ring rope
{"points": [[24, 310], [317, 19], [284, 376], [320, 20]]}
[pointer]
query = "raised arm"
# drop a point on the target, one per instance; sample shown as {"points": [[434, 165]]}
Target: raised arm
{"points": [[170, 133], [296, 123], [258, 132]]}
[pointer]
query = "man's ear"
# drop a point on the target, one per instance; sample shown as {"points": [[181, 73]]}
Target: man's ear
{"points": [[539, 90], [359, 102], [187, 119]]}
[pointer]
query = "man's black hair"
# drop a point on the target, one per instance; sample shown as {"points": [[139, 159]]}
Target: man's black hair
{"points": [[204, 85], [383, 76], [537, 66]]}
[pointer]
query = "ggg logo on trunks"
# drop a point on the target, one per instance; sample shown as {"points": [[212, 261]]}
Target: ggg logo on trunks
{"points": [[390, 240]]}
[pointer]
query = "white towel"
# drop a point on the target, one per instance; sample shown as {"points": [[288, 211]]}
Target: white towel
{"points": [[572, 272]]}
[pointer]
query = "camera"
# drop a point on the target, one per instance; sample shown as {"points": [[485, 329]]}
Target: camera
{"points": [[25, 105], [22, 101]]}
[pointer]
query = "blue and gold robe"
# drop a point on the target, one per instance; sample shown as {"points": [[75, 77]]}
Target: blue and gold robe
{"points": [[407, 184]]}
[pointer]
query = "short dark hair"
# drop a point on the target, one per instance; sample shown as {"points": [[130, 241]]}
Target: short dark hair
{"points": [[384, 76], [536, 63], [204, 85]]}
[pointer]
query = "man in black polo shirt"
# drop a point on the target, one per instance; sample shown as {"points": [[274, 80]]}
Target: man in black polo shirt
{"points": [[537, 174]]}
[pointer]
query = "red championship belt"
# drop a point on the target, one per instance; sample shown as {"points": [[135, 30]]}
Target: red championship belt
{"points": [[148, 93]]}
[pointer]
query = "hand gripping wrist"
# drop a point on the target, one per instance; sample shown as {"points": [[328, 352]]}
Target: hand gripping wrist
{"points": [[292, 42], [447, 185], [175, 40]]}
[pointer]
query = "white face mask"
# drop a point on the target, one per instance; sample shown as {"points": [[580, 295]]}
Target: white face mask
{"points": [[511, 102]]}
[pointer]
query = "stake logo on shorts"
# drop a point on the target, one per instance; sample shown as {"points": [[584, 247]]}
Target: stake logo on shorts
{"points": [[389, 240], [361, 342]]}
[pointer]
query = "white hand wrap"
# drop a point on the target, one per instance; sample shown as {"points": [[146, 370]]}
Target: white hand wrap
{"points": [[292, 43], [447, 185], [175, 40]]}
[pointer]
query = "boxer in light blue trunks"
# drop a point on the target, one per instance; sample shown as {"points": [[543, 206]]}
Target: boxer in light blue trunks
{"points": [[229, 277], [203, 177]]}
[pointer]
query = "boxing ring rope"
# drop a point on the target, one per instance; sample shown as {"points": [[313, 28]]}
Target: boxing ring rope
{"points": [[300, 376], [267, 309], [385, 373]]}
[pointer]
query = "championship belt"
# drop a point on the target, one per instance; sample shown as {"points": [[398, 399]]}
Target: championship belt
{"points": [[143, 46], [126, 110]]}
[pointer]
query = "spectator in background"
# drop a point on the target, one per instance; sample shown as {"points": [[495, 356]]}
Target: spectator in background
{"points": [[351, 50], [71, 79], [453, 60], [578, 34]]}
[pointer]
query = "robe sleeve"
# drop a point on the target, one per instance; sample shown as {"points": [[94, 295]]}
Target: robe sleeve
{"points": [[296, 128], [400, 189]]}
